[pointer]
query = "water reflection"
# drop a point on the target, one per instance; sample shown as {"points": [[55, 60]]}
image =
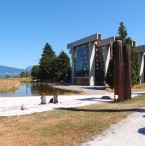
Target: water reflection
{"points": [[33, 89]]}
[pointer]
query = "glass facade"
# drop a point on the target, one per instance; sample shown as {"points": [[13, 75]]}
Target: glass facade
{"points": [[81, 65], [99, 66], [81, 61]]}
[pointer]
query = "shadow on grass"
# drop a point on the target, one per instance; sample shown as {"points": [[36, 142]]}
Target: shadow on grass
{"points": [[99, 110], [96, 99], [142, 131], [96, 88]]}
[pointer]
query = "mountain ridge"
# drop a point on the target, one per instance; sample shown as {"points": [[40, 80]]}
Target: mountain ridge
{"points": [[12, 71]]}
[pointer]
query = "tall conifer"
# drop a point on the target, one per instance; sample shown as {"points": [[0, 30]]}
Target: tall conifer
{"points": [[63, 67], [135, 78], [46, 64]]}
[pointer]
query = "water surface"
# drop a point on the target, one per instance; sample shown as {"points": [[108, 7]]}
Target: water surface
{"points": [[33, 89]]}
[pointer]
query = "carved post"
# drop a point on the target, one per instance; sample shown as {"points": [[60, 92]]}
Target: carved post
{"points": [[126, 72], [118, 69]]}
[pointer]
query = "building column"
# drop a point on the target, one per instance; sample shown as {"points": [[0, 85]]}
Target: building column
{"points": [[141, 66], [92, 63], [72, 70]]}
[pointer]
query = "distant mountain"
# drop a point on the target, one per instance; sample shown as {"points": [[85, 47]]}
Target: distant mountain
{"points": [[29, 68], [5, 70]]}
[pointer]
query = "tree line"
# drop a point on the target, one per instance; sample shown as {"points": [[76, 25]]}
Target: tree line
{"points": [[55, 68], [52, 68]]}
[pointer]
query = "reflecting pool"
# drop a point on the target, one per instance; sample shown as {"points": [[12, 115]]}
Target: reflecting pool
{"points": [[33, 89]]}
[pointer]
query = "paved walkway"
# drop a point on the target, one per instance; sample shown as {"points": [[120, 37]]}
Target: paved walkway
{"points": [[95, 90], [128, 132], [10, 106]]}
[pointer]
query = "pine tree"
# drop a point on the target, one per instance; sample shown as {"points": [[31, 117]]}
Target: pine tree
{"points": [[135, 78], [122, 32], [63, 67], [35, 72], [110, 74], [46, 64]]}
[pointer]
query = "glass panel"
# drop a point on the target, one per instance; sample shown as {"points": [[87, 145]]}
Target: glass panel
{"points": [[81, 62], [99, 66]]}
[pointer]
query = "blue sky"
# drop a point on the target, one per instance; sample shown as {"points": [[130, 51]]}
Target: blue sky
{"points": [[26, 25]]}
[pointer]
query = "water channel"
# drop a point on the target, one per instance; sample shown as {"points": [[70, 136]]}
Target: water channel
{"points": [[33, 89]]}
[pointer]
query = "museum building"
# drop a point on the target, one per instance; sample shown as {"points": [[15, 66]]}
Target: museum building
{"points": [[90, 58]]}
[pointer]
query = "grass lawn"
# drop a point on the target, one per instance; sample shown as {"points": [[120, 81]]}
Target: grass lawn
{"points": [[65, 127], [134, 88]]}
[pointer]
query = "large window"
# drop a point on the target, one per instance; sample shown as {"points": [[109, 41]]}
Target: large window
{"points": [[99, 66], [82, 61]]}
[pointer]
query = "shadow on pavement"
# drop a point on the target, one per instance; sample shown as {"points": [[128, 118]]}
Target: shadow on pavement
{"points": [[142, 131], [96, 88], [141, 110]]}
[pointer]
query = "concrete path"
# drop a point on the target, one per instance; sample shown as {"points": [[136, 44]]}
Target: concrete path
{"points": [[128, 132], [11, 106]]}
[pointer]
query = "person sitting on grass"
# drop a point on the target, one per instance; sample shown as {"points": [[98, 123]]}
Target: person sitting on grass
{"points": [[43, 98]]}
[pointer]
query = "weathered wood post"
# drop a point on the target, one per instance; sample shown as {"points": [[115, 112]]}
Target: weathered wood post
{"points": [[126, 50], [118, 69]]}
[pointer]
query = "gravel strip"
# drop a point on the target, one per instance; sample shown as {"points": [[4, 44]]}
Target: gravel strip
{"points": [[95, 90]]}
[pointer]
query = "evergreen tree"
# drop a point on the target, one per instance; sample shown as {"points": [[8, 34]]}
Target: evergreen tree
{"points": [[46, 64], [110, 74], [63, 67], [122, 32], [22, 74], [135, 77], [35, 72]]}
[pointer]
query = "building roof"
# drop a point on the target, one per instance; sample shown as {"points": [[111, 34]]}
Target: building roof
{"points": [[140, 48], [85, 40]]}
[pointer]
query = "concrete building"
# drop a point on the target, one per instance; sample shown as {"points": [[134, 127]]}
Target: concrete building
{"points": [[90, 58], [141, 60]]}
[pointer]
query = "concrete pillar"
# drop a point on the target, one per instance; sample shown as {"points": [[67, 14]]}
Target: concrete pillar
{"points": [[141, 66], [92, 63], [72, 71]]}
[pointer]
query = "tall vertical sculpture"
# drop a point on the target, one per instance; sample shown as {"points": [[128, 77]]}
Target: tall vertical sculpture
{"points": [[122, 70], [126, 72], [118, 69]]}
